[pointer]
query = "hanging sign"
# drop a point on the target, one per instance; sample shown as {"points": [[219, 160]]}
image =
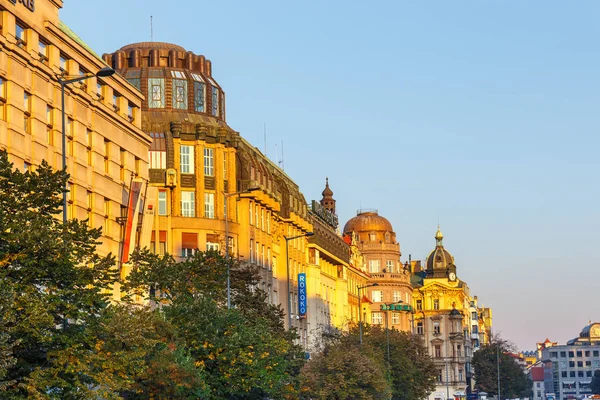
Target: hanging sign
{"points": [[302, 301]]}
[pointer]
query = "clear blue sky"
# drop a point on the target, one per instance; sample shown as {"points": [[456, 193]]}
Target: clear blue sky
{"points": [[480, 114]]}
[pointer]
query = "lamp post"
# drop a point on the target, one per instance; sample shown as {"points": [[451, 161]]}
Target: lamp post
{"points": [[64, 81], [287, 262], [225, 197], [387, 331], [359, 309]]}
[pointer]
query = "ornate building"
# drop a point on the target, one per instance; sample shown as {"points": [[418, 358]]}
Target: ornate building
{"points": [[375, 239], [207, 184], [106, 149], [443, 317]]}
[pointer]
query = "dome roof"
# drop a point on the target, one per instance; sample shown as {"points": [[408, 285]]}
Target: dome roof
{"points": [[439, 258], [152, 45], [368, 221]]}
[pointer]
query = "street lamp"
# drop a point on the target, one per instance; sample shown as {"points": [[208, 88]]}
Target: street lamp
{"points": [[287, 262], [387, 331], [103, 73], [359, 309], [225, 197]]}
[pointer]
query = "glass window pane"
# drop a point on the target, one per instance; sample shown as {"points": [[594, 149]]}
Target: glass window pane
{"points": [[156, 93]]}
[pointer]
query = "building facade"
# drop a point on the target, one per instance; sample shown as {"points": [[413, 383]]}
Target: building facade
{"points": [[389, 279], [569, 368], [105, 146], [446, 318]]}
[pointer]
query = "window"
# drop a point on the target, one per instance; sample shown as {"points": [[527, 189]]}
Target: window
{"points": [[372, 237], [475, 329], [397, 296], [377, 296], [580, 374], [440, 377], [43, 50], [187, 159], [21, 35], [596, 353], [437, 352], [130, 111], [377, 318], [88, 146], [587, 353], [2, 99], [62, 63], [133, 77], [106, 155], [212, 246], [564, 374], [189, 244], [460, 375], [115, 101], [162, 202], [209, 162], [374, 266], [572, 374], [395, 318], [588, 373], [122, 158], [26, 112], [579, 353], [474, 315], [49, 124], [553, 354], [389, 266], [571, 354], [188, 204], [100, 89], [572, 364], [250, 214], [157, 154], [458, 350], [563, 354], [215, 101], [436, 328], [156, 93], [199, 95], [162, 244], [420, 328], [419, 305], [436, 304], [209, 205], [179, 91], [262, 219], [580, 364]]}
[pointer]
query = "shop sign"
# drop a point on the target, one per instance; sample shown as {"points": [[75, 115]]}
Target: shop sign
{"points": [[29, 4]]}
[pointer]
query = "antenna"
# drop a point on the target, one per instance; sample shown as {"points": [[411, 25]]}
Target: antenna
{"points": [[276, 155], [281, 163], [265, 135], [151, 30]]}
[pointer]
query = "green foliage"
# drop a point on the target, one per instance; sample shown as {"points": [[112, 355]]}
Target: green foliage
{"points": [[346, 373], [595, 385], [513, 380], [49, 272], [243, 353], [410, 373]]}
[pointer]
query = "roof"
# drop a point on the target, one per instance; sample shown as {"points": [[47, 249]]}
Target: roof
{"points": [[368, 221], [63, 27], [537, 373]]}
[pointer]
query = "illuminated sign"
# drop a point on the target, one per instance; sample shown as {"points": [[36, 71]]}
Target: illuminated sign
{"points": [[302, 295], [327, 216], [29, 4]]}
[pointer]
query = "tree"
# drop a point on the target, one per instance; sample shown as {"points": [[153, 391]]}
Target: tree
{"points": [[410, 373], [411, 369], [595, 385], [342, 373], [56, 283], [513, 380], [244, 353]]}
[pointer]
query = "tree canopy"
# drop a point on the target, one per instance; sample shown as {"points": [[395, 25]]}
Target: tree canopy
{"points": [[513, 380]]}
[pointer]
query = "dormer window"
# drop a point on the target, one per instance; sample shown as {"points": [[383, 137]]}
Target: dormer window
{"points": [[215, 101], [156, 89], [199, 93], [179, 90]]}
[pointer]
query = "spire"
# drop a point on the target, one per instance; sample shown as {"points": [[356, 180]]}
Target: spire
{"points": [[438, 237], [327, 201]]}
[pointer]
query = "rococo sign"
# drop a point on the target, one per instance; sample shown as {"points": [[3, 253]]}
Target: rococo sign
{"points": [[30, 4]]}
